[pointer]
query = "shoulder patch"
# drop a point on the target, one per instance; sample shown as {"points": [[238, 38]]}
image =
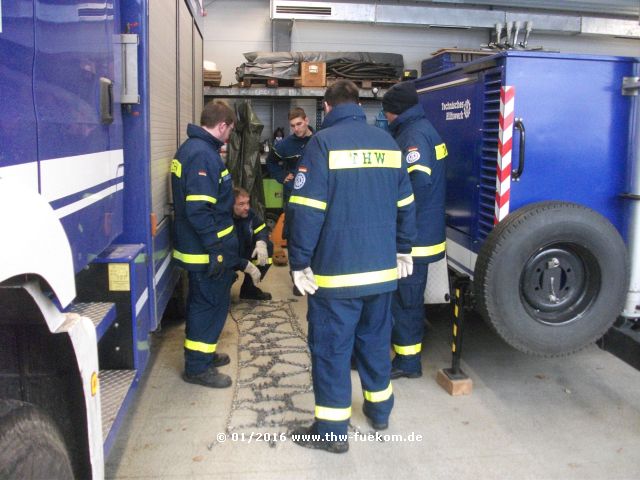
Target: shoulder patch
{"points": [[413, 156], [302, 169], [299, 181]]}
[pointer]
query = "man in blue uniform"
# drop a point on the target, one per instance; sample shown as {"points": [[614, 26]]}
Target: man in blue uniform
{"points": [[205, 242], [353, 227], [253, 237], [423, 153], [283, 159], [285, 155]]}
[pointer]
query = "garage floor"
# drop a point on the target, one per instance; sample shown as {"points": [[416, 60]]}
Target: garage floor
{"points": [[527, 417]]}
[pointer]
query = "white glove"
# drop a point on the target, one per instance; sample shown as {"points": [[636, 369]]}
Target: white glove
{"points": [[253, 272], [261, 252], [405, 264], [305, 281]]}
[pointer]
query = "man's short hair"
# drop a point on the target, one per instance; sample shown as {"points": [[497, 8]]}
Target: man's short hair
{"points": [[240, 192], [215, 112], [343, 91], [297, 113]]}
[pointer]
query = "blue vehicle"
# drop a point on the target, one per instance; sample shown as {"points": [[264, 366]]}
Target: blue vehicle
{"points": [[95, 98], [542, 191]]}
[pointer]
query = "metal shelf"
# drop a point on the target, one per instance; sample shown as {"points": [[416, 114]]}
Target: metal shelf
{"points": [[282, 92]]}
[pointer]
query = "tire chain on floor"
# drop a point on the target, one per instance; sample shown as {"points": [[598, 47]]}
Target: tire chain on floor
{"points": [[263, 330], [269, 329]]}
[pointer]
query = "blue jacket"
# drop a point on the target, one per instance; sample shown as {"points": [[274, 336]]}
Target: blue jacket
{"points": [[249, 231], [203, 202], [423, 152], [352, 207], [283, 160]]}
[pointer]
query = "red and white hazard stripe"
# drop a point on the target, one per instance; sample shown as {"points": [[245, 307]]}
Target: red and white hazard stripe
{"points": [[505, 144]]}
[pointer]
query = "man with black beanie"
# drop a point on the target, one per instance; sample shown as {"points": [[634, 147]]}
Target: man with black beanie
{"points": [[423, 153]]}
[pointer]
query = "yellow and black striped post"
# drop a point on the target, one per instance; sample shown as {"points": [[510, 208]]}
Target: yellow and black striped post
{"points": [[461, 303]]}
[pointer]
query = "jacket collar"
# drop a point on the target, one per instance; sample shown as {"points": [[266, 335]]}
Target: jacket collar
{"points": [[410, 115], [342, 112], [194, 131]]}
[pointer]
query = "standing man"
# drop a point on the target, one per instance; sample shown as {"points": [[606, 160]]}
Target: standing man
{"points": [[423, 153], [285, 155], [352, 231], [253, 237], [205, 242]]}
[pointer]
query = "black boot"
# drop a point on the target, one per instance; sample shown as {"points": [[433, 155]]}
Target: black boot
{"points": [[209, 378], [376, 425], [254, 294], [220, 359], [309, 437]]}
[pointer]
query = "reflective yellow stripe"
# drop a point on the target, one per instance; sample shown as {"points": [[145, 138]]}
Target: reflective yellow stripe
{"points": [[226, 231], [408, 349], [261, 227], [191, 258], [199, 346], [405, 201], [225, 172], [356, 279], [269, 261], [441, 151], [201, 198], [428, 251], [364, 159], [380, 396], [309, 202], [421, 168], [334, 414], [176, 168]]}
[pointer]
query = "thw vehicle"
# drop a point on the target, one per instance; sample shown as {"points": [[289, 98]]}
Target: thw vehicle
{"points": [[543, 183], [94, 100]]}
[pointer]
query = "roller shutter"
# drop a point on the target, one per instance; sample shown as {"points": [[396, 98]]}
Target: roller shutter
{"points": [[162, 104]]}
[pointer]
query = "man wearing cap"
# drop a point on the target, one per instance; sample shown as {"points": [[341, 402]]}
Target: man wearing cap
{"points": [[423, 153]]}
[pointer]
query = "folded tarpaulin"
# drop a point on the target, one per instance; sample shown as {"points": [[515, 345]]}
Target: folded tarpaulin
{"points": [[287, 64]]}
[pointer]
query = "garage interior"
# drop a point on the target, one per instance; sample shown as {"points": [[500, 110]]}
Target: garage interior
{"points": [[525, 416]]}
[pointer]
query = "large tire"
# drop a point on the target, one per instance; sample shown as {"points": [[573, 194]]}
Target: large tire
{"points": [[30, 444], [551, 278]]}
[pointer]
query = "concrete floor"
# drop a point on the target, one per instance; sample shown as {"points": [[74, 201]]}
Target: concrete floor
{"points": [[527, 418]]}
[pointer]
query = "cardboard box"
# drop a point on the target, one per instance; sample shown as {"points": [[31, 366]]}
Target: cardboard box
{"points": [[313, 74]]}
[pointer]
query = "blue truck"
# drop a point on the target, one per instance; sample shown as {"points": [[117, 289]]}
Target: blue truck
{"points": [[95, 98], [542, 191]]}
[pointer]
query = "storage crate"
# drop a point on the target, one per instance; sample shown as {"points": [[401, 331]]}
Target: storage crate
{"points": [[313, 74]]}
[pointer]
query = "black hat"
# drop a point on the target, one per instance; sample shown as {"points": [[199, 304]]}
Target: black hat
{"points": [[399, 98]]}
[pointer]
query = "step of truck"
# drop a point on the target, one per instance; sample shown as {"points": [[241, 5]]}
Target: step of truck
{"points": [[115, 392], [102, 314]]}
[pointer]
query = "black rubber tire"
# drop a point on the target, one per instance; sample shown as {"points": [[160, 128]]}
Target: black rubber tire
{"points": [[586, 294], [30, 444]]}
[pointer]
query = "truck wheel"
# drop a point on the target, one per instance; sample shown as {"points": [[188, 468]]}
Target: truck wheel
{"points": [[30, 444], [552, 277]]}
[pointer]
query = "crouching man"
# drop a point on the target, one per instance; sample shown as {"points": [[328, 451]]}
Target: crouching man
{"points": [[255, 246]]}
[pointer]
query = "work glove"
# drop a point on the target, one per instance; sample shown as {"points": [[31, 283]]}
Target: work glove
{"points": [[260, 252], [405, 264], [305, 281], [216, 267], [253, 272]]}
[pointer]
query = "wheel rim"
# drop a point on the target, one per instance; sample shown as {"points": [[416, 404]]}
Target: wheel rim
{"points": [[559, 283]]}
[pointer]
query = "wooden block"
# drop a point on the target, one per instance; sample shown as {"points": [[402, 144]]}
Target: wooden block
{"points": [[454, 387], [313, 74]]}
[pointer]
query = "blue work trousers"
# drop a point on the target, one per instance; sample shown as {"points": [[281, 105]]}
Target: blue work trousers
{"points": [[338, 327], [207, 307], [408, 319]]}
